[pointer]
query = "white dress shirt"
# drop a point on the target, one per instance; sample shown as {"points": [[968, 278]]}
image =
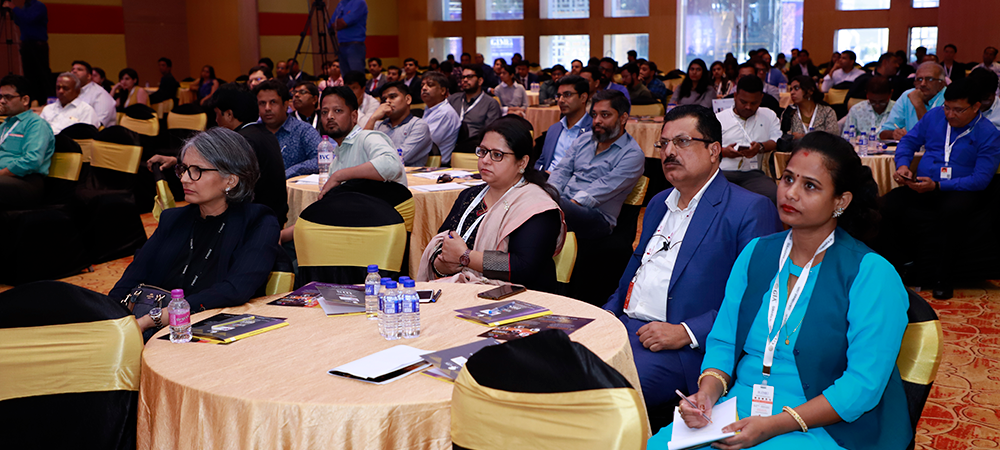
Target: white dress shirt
{"points": [[366, 110], [839, 76], [651, 284], [102, 102], [993, 114], [59, 117], [444, 124], [761, 127]]}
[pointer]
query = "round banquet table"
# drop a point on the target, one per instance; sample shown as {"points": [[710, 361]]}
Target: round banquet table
{"points": [[431, 208], [883, 166], [646, 133], [272, 390], [542, 117], [785, 100], [532, 98]]}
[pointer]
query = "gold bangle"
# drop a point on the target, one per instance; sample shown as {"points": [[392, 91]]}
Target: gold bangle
{"points": [[712, 373], [795, 415]]}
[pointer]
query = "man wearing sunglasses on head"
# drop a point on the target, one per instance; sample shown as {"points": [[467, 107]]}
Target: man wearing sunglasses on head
{"points": [[675, 281]]}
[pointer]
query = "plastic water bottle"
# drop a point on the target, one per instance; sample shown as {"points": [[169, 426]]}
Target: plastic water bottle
{"points": [[371, 292], [411, 310], [847, 136], [392, 305], [862, 145], [852, 132], [873, 141], [324, 158], [383, 291], [671, 105], [180, 317]]}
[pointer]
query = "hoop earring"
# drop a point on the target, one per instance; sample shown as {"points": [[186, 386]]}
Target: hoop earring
{"points": [[838, 212]]}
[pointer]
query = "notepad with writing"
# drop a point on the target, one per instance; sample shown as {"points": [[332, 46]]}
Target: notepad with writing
{"points": [[683, 437]]}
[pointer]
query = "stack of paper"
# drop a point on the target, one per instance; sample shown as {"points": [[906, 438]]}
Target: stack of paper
{"points": [[385, 366], [308, 179], [683, 437]]}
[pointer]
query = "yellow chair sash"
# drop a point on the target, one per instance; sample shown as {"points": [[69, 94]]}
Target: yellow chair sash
{"points": [[86, 148], [407, 209], [836, 96], [279, 283], [119, 116], [66, 166], [655, 109], [70, 358], [464, 161], [123, 158], [322, 245], [921, 352], [566, 259], [638, 193], [434, 161], [415, 106], [163, 108], [164, 199], [486, 419], [149, 127], [187, 121]]}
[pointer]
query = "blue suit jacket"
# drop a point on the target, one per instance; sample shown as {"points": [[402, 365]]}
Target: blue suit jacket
{"points": [[552, 137], [727, 218]]}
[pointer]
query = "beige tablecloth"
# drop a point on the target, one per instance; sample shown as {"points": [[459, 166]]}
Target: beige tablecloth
{"points": [[431, 210], [542, 117], [883, 166], [785, 99], [646, 134], [272, 390], [532, 98]]}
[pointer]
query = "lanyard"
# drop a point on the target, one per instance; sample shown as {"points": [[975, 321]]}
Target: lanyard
{"points": [[9, 130], [315, 118], [813, 116], [475, 203], [743, 127], [948, 143], [793, 297], [215, 240], [465, 110]]}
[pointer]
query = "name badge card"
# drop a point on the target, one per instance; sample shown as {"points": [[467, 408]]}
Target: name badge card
{"points": [[763, 400], [946, 173]]}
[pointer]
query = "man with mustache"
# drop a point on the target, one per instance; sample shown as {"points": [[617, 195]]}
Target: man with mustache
{"points": [[927, 93], [673, 286], [599, 170]]}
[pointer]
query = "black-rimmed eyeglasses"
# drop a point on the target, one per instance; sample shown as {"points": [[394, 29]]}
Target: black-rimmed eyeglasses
{"points": [[193, 172], [679, 142], [495, 155]]}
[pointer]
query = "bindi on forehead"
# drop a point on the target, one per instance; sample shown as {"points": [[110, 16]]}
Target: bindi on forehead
{"points": [[805, 153]]}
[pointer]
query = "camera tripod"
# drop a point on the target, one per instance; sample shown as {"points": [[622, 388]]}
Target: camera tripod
{"points": [[318, 12]]}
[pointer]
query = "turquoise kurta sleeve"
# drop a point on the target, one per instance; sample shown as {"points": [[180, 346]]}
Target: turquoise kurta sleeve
{"points": [[877, 320], [897, 116], [721, 340]]}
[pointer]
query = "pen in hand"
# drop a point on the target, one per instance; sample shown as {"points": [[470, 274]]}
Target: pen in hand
{"points": [[692, 404]]}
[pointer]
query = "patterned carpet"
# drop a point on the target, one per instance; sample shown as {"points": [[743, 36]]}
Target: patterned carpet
{"points": [[963, 411]]}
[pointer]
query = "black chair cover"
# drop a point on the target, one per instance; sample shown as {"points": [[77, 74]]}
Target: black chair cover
{"points": [[80, 131]]}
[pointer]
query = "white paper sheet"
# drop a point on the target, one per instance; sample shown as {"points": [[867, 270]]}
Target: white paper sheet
{"points": [[435, 175], [309, 179], [683, 437], [439, 187], [383, 362]]}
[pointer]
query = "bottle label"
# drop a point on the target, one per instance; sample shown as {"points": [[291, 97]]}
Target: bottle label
{"points": [[180, 319], [369, 289], [415, 304], [325, 157]]}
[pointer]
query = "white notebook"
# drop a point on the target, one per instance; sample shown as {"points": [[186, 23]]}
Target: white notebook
{"points": [[385, 366], [683, 437]]}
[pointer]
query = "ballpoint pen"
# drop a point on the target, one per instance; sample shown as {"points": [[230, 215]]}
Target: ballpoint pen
{"points": [[692, 405]]}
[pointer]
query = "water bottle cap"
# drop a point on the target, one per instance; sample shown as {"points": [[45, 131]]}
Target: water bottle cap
{"points": [[404, 278], [409, 283], [385, 280], [177, 293], [373, 268], [390, 284]]}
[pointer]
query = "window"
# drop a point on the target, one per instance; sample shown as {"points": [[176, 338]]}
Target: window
{"points": [[616, 46], [445, 10], [564, 49], [440, 48], [564, 9], [922, 37], [494, 47], [867, 43], [708, 29], [626, 8], [925, 4], [500, 9], [854, 5]]}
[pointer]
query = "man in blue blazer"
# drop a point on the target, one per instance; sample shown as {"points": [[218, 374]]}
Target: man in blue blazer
{"points": [[573, 94], [671, 290]]}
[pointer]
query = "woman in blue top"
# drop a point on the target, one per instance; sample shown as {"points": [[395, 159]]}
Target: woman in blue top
{"points": [[833, 369]]}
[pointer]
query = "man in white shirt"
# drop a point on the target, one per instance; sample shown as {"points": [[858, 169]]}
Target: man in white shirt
{"points": [[672, 289], [989, 106], [367, 104], [845, 73], [95, 95], [441, 118], [990, 60], [749, 133], [70, 109]]}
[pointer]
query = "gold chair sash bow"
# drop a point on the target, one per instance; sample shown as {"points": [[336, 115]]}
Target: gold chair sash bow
{"points": [[123, 158], [66, 166], [323, 245]]}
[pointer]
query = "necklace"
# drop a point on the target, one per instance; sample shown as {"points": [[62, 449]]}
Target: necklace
{"points": [[788, 336]]}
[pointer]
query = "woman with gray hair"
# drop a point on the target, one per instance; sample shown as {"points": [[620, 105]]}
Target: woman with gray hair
{"points": [[221, 247]]}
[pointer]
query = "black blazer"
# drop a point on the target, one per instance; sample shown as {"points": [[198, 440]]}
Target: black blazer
{"points": [[796, 70], [248, 249], [270, 188]]}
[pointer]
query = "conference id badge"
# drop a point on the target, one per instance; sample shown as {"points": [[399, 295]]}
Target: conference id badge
{"points": [[763, 400], [946, 173], [753, 163]]}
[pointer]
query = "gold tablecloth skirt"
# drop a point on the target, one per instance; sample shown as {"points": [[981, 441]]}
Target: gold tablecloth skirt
{"points": [[542, 117], [883, 166], [646, 134], [273, 390]]}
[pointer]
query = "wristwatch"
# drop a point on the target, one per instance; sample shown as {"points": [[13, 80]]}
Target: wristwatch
{"points": [[156, 314], [464, 260]]}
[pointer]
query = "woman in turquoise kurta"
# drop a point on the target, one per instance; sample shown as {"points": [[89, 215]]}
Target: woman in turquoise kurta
{"points": [[834, 363]]}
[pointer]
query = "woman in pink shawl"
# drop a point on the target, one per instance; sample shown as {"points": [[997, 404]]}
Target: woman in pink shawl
{"points": [[512, 221]]}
